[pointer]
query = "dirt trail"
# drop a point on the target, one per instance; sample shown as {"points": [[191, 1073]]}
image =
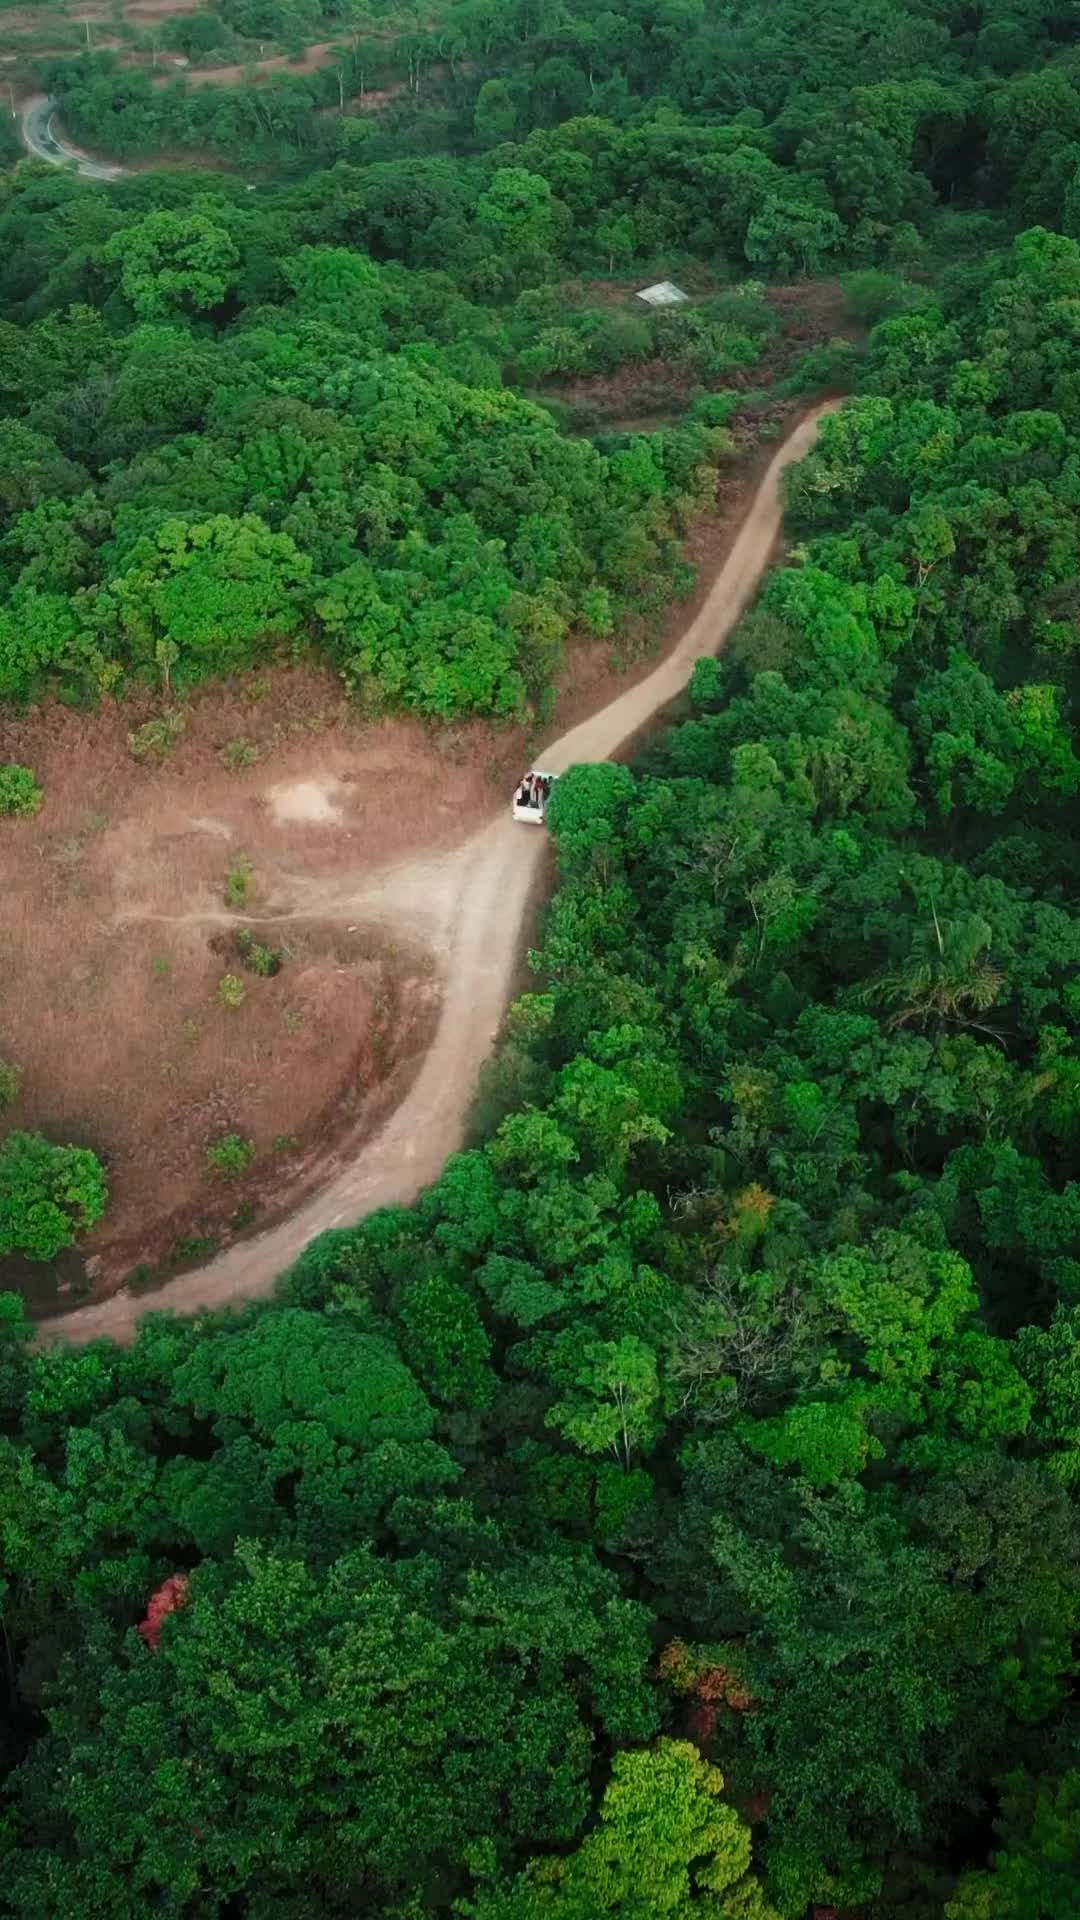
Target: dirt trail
{"points": [[471, 905]]}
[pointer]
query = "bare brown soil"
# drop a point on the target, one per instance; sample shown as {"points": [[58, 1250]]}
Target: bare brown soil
{"points": [[160, 9], [116, 936], [321, 54]]}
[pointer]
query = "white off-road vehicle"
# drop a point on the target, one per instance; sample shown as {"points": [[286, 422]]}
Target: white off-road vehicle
{"points": [[531, 797]]}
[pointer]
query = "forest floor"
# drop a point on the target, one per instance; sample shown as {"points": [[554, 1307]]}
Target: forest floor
{"points": [[384, 862]]}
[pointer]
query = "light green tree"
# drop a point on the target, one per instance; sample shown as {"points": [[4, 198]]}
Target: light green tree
{"points": [[666, 1845], [173, 263], [614, 1403], [48, 1195]]}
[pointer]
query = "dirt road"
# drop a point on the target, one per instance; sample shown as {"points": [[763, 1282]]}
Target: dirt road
{"points": [[469, 905]]}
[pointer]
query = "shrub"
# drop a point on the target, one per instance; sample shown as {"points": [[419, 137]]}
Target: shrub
{"points": [[237, 754], [157, 736], [265, 961], [48, 1195], [193, 1246], [872, 295], [229, 1156], [238, 882], [231, 990], [10, 1075], [19, 791]]}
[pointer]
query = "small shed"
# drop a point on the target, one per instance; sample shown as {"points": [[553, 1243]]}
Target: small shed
{"points": [[664, 294]]}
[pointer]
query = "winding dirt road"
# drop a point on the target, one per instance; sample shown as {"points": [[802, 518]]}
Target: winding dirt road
{"points": [[469, 906]]}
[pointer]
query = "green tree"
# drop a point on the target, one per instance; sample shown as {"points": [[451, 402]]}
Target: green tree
{"points": [[48, 1195], [173, 263], [518, 211], [19, 791], [614, 1401], [791, 236], [1033, 1876], [666, 1843], [494, 116], [217, 591]]}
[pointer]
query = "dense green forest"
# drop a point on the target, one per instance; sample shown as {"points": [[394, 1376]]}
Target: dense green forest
{"points": [[674, 1513]]}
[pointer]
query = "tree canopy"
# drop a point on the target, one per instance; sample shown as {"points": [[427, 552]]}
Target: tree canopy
{"points": [[674, 1513]]}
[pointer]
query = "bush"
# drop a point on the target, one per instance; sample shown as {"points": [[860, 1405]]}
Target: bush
{"points": [[237, 754], [19, 791], [238, 883], [265, 961], [873, 295], [48, 1195], [231, 991], [155, 737], [10, 1075], [743, 310], [831, 366], [230, 1156]]}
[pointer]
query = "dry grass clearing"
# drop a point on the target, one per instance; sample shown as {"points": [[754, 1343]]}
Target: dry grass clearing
{"points": [[116, 936]]}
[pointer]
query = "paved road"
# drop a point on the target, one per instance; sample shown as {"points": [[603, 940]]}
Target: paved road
{"points": [[38, 129], [471, 904]]}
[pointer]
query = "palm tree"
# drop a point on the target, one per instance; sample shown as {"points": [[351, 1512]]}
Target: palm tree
{"points": [[947, 979]]}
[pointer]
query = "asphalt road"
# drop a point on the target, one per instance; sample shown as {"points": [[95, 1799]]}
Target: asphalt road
{"points": [[37, 126]]}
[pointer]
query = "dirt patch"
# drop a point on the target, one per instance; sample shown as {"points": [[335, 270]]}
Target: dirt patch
{"points": [[116, 937], [304, 1070], [812, 309], [635, 398], [160, 9], [322, 54], [309, 800], [182, 160]]}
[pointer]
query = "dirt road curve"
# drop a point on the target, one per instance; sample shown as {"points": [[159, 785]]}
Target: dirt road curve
{"points": [[39, 136], [470, 905]]}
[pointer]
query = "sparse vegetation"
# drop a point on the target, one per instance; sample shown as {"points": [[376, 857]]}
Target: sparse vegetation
{"points": [[154, 739], [191, 1247], [19, 791], [10, 1078], [238, 754]]}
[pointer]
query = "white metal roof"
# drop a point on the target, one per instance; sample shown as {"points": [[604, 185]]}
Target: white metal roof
{"points": [[664, 294]]}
